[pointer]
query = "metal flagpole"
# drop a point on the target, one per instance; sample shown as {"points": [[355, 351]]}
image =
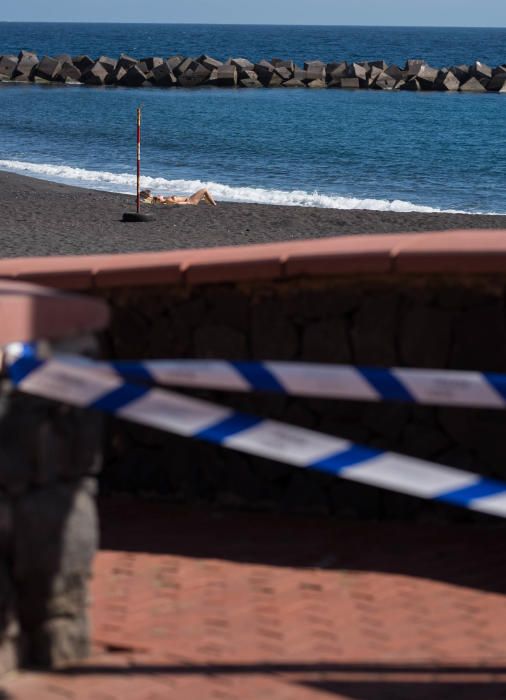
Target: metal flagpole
{"points": [[130, 215]]}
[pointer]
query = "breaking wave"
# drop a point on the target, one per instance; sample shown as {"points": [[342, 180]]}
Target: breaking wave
{"points": [[125, 183]]}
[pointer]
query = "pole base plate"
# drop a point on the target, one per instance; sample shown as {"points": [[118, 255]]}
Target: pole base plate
{"points": [[133, 216]]}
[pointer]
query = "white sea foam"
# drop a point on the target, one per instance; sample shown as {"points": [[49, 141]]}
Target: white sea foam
{"points": [[124, 182]]}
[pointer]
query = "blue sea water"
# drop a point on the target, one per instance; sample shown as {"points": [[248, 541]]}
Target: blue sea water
{"points": [[332, 148]]}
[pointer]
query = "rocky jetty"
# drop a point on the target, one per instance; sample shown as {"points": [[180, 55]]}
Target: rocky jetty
{"points": [[183, 71]]}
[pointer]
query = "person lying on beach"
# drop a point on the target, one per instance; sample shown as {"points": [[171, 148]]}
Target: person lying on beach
{"points": [[177, 200]]}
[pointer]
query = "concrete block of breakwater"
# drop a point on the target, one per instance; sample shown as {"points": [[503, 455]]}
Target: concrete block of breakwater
{"points": [[209, 62], [83, 63], [359, 72], [395, 72], [472, 85], [384, 82], [163, 75], [133, 77], [282, 63], [481, 71], [411, 84], [68, 72], [48, 68], [462, 72], [293, 83], [316, 84], [335, 71], [249, 82], [382, 65], [264, 70], [226, 76], [182, 67], [96, 75], [8, 65], [126, 62], [242, 64], [284, 73], [108, 63], [350, 83], [448, 81], [427, 77], [413, 66], [25, 66], [315, 70], [175, 61], [194, 76], [497, 82], [150, 62]]}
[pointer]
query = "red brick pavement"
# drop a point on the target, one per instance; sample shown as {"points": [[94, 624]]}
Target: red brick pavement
{"points": [[238, 606]]}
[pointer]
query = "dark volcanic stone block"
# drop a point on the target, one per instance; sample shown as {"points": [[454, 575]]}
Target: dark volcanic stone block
{"points": [[134, 77], [96, 75], [108, 63], [7, 66], [209, 62], [163, 75], [83, 63], [472, 85], [48, 68]]}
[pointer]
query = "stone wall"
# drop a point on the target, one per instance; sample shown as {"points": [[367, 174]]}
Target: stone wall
{"points": [[184, 71], [431, 322]]}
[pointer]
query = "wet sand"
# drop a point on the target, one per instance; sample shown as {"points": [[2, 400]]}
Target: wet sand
{"points": [[43, 218]]}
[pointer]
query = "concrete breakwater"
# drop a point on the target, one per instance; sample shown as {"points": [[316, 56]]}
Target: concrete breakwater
{"points": [[181, 71]]}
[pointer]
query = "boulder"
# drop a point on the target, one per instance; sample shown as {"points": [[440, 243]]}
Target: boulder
{"points": [[350, 83], [163, 75], [134, 77], [448, 81], [413, 67], [497, 82], [335, 71], [108, 63], [96, 75], [281, 63], [8, 65], [427, 77], [209, 62], [83, 63], [472, 85], [481, 71], [69, 72], [242, 64], [292, 83], [48, 68]]}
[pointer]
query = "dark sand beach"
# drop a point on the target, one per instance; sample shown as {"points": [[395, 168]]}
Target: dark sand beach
{"points": [[44, 218]]}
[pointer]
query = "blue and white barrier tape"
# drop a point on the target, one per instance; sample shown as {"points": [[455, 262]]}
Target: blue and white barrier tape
{"points": [[423, 386], [80, 383]]}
